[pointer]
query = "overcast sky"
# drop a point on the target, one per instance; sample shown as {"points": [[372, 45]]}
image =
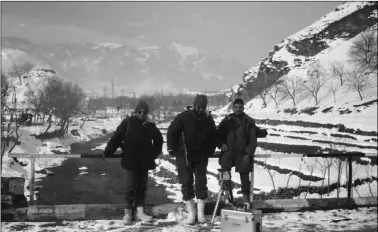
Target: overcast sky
{"points": [[242, 30]]}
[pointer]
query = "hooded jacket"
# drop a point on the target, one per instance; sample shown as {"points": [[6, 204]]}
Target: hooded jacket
{"points": [[239, 134], [199, 133], [141, 142]]}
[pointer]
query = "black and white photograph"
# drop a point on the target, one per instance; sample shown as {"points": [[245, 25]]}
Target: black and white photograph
{"points": [[175, 116]]}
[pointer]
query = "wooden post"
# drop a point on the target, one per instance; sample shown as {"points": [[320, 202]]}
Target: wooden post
{"points": [[31, 181], [350, 177]]}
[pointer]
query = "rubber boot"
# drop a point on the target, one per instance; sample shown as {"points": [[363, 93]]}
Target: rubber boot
{"points": [[191, 208], [140, 215], [201, 211], [128, 218]]}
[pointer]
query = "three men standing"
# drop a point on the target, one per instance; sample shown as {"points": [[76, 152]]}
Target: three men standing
{"points": [[192, 137]]}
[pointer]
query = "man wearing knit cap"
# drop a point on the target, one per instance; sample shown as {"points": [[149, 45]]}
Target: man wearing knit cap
{"points": [[238, 141], [191, 139], [141, 142]]}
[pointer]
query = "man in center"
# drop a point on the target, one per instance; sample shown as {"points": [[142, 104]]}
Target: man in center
{"points": [[191, 138]]}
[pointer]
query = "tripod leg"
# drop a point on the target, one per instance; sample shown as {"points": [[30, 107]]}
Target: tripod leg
{"points": [[216, 206]]}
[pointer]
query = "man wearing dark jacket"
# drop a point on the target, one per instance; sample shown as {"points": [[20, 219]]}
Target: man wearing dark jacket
{"points": [[238, 141], [141, 142], [196, 127]]}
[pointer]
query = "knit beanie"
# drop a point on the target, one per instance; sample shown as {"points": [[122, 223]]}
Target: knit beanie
{"points": [[238, 101], [200, 101], [141, 105]]}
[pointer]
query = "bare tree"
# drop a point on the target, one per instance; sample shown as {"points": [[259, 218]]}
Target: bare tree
{"points": [[292, 86], [316, 80], [271, 173], [9, 117], [339, 165], [363, 51], [333, 89], [263, 95], [357, 80], [311, 168], [5, 90], [273, 92], [70, 103], [299, 179], [20, 69], [338, 70], [369, 172], [36, 98], [323, 168], [329, 162], [63, 99], [288, 179], [355, 170]]}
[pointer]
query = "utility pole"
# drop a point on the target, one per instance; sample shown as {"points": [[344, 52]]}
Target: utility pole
{"points": [[105, 91], [112, 88]]}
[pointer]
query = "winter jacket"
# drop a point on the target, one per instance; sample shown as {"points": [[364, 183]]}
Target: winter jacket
{"points": [[239, 134], [142, 142], [199, 133]]}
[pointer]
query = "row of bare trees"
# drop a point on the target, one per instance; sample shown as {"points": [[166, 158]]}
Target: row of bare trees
{"points": [[56, 97], [160, 103], [10, 110], [324, 165], [362, 53], [52, 96], [9, 116]]}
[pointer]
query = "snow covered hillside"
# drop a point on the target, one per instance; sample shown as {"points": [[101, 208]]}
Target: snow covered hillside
{"points": [[338, 119], [323, 45]]}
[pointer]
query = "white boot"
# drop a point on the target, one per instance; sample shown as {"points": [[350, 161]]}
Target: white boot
{"points": [[191, 208], [128, 218], [140, 215], [201, 210]]}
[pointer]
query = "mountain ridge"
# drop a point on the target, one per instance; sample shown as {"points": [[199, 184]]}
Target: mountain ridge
{"points": [[153, 68]]}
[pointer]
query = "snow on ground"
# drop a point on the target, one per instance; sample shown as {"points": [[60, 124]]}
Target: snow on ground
{"points": [[173, 188], [272, 222], [362, 220]]}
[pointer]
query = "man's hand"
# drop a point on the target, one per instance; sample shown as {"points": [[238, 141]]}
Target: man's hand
{"points": [[224, 147], [246, 160]]}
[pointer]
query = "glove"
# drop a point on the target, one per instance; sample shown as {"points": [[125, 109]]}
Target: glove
{"points": [[261, 133], [246, 160]]}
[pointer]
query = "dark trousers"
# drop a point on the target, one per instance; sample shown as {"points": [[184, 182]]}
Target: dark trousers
{"points": [[136, 186], [187, 174], [245, 183], [244, 179]]}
